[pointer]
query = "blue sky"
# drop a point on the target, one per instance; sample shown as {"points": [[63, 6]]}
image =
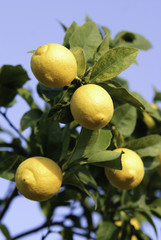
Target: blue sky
{"points": [[25, 25]]}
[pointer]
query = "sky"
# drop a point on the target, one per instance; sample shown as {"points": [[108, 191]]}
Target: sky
{"points": [[25, 25]]}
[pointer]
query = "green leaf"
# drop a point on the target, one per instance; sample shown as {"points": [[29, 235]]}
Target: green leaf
{"points": [[8, 164], [66, 141], [121, 94], [86, 177], [112, 63], [88, 38], [73, 180], [106, 31], [131, 39], [146, 146], [156, 203], [124, 119], [86, 141], [47, 208], [155, 207], [32, 51], [151, 163], [48, 136], [157, 96], [148, 107], [102, 48], [11, 104], [67, 234], [30, 119], [123, 82], [69, 31], [105, 159], [88, 19], [26, 95], [6, 95], [118, 139], [107, 230], [11, 78], [81, 61], [49, 94], [90, 142], [148, 215], [5, 231], [63, 26], [102, 142], [60, 113], [142, 236]]}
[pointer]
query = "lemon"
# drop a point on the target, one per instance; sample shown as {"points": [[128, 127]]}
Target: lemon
{"points": [[38, 178], [92, 106], [54, 65], [134, 222], [148, 120], [132, 171]]}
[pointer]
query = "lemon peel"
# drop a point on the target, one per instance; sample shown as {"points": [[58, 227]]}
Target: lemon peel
{"points": [[92, 106], [54, 65], [132, 171], [38, 178]]}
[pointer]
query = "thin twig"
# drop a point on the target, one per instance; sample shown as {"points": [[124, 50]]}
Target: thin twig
{"points": [[44, 225], [10, 123], [14, 193]]}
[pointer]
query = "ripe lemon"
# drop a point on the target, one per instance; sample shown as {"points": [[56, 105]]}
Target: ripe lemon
{"points": [[132, 171], [54, 65], [134, 222], [148, 120], [38, 178], [92, 106]]}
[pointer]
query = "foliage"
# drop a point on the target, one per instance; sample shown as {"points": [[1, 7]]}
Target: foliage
{"points": [[82, 153]]}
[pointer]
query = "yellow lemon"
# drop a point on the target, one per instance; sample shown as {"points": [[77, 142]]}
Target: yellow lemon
{"points": [[54, 65], [38, 178], [132, 171], [134, 222], [136, 225], [148, 120], [92, 106]]}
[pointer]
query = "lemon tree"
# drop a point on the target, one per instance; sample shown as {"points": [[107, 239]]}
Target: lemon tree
{"points": [[90, 145]]}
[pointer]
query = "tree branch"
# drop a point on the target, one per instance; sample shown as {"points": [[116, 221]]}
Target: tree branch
{"points": [[44, 225], [14, 193], [11, 125]]}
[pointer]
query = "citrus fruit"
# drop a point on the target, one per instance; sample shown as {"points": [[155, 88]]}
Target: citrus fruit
{"points": [[54, 65], [134, 222], [91, 106], [38, 178], [148, 120], [132, 171]]}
